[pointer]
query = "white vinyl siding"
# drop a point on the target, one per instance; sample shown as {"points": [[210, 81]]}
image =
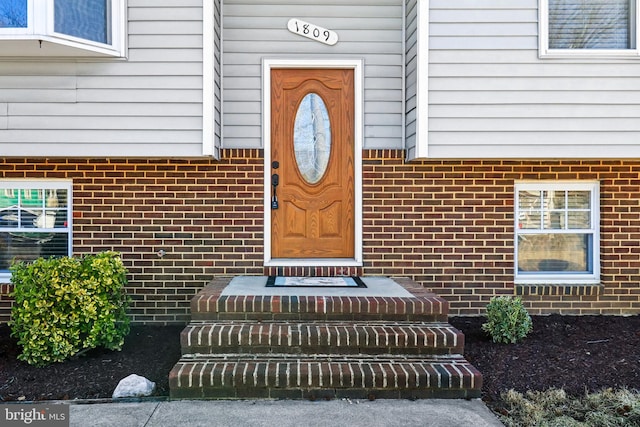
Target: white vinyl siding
{"points": [[149, 105], [491, 96], [255, 30], [411, 78], [212, 79], [417, 79], [217, 80]]}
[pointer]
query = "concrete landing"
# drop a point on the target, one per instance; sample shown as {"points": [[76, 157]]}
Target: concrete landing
{"points": [[256, 285]]}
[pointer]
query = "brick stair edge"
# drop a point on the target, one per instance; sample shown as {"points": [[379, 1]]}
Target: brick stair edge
{"points": [[210, 304], [228, 337], [384, 378], [327, 306]]}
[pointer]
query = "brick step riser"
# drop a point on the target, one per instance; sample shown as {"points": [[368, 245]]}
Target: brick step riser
{"points": [[326, 339], [427, 351], [290, 317], [326, 378], [314, 394], [286, 308]]}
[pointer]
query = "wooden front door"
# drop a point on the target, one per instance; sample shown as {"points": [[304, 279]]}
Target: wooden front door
{"points": [[312, 152]]}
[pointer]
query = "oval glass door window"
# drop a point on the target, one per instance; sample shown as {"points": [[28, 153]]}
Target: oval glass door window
{"points": [[312, 138]]}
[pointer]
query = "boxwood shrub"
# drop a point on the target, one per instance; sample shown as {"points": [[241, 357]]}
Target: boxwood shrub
{"points": [[67, 306], [507, 320]]}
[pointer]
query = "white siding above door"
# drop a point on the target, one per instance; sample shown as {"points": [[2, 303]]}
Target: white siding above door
{"points": [[255, 30]]}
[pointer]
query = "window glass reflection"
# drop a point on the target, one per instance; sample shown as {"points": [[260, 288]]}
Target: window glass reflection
{"points": [[86, 19], [13, 13], [312, 138]]}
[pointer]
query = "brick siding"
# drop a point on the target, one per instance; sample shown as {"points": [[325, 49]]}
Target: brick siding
{"points": [[445, 224]]}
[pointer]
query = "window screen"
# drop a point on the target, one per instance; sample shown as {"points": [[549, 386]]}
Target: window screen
{"points": [[590, 24]]}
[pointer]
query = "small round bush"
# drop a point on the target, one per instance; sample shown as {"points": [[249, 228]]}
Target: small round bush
{"points": [[66, 306], [507, 320]]}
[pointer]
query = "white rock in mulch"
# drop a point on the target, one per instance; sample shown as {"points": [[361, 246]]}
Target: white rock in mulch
{"points": [[134, 386]]}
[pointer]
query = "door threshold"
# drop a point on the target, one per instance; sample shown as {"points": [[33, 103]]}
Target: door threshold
{"points": [[313, 262]]}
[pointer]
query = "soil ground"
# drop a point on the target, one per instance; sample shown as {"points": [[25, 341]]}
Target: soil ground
{"points": [[579, 354], [150, 351]]}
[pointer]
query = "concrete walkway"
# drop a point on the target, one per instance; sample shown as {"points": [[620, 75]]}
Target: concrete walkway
{"points": [[282, 413]]}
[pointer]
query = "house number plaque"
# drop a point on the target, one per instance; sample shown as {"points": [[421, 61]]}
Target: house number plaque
{"points": [[312, 31]]}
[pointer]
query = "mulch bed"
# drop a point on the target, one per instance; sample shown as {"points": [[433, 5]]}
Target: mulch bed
{"points": [[150, 351], [579, 354], [576, 353]]}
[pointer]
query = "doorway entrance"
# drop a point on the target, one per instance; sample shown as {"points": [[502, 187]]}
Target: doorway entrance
{"points": [[312, 167]]}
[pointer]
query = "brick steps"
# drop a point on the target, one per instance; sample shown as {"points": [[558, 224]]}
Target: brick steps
{"points": [[323, 376], [375, 337], [428, 308], [321, 347]]}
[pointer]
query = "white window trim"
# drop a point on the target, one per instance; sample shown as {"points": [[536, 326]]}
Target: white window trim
{"points": [[561, 279], [545, 52], [48, 184], [40, 26]]}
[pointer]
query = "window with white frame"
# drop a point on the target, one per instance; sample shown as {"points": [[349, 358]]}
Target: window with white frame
{"points": [[557, 232], [605, 28], [35, 220], [91, 25]]}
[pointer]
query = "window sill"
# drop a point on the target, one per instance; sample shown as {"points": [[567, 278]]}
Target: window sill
{"points": [[53, 48], [558, 290], [589, 54]]}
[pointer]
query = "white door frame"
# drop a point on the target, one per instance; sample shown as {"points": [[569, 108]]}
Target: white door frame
{"points": [[356, 65]]}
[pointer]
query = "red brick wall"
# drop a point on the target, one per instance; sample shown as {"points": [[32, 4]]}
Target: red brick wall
{"points": [[449, 225], [206, 215], [446, 224]]}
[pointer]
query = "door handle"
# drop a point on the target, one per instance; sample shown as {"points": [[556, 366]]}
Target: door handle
{"points": [[275, 180]]}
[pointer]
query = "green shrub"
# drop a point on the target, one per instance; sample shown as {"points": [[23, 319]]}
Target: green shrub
{"points": [[66, 306], [507, 320]]}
